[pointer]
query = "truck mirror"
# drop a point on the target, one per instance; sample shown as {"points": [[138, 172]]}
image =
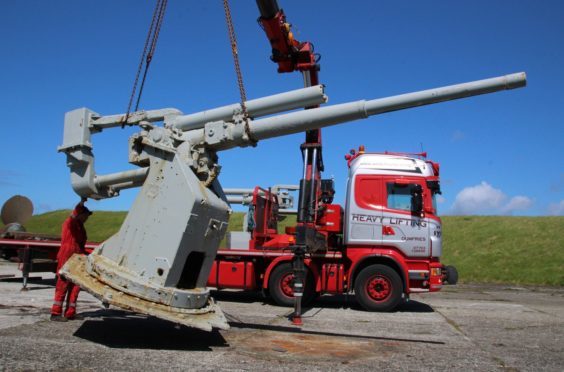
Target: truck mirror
{"points": [[417, 200], [434, 186]]}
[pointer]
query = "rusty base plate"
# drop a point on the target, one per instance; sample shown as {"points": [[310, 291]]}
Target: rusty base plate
{"points": [[204, 318]]}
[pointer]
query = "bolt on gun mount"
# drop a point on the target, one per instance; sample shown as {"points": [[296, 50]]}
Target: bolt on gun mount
{"points": [[159, 261]]}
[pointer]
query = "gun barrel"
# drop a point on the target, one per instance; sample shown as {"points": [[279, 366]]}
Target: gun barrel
{"points": [[132, 178], [239, 196], [330, 115], [234, 191], [291, 100], [241, 199]]}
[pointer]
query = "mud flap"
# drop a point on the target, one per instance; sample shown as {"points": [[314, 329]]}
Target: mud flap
{"points": [[205, 318]]}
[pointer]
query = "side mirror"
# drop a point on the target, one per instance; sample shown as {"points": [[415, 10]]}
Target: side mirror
{"points": [[434, 186], [417, 201]]}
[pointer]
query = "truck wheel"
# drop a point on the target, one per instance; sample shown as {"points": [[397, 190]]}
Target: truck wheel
{"points": [[451, 275], [281, 282], [378, 288]]}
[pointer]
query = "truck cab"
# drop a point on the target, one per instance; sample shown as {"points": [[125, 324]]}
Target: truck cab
{"points": [[391, 201]]}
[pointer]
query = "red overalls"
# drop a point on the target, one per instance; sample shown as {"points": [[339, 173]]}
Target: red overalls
{"points": [[73, 239]]}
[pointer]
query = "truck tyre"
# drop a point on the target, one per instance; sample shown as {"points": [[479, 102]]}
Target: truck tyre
{"points": [[451, 275], [280, 286], [378, 288]]}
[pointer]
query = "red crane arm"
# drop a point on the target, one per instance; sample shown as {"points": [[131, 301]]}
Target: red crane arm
{"points": [[290, 54]]}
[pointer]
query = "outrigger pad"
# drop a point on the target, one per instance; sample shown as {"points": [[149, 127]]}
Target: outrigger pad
{"points": [[205, 318]]}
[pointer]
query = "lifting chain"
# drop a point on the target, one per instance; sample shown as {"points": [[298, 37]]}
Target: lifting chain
{"points": [[234, 51], [147, 55]]}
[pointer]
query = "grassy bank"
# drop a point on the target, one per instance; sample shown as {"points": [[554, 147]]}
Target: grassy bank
{"points": [[518, 250], [521, 250], [99, 226]]}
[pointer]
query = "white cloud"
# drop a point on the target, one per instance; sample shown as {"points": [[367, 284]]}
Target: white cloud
{"points": [[475, 198], [485, 199], [517, 203], [556, 209]]}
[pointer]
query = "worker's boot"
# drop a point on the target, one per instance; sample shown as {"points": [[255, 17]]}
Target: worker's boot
{"points": [[57, 310], [70, 314]]}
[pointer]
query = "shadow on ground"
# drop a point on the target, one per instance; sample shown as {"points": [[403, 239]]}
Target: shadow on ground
{"points": [[120, 329], [328, 302]]}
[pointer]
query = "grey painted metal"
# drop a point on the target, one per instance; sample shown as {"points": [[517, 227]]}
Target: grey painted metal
{"points": [[238, 240], [245, 200], [448, 93], [150, 116], [288, 211], [313, 172], [245, 196], [307, 78], [78, 149], [131, 176], [220, 135], [330, 115], [235, 191], [239, 199], [80, 125], [258, 107], [275, 188], [117, 187], [164, 250]]}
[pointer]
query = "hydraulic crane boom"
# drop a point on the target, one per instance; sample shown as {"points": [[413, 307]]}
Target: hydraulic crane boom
{"points": [[292, 55]]}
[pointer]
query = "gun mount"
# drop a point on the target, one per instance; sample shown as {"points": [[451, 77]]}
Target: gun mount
{"points": [[164, 250]]}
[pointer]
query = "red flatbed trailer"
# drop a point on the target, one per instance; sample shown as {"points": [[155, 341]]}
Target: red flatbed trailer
{"points": [[34, 252]]}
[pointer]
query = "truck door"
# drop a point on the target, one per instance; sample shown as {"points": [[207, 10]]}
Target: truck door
{"points": [[402, 224], [363, 223]]}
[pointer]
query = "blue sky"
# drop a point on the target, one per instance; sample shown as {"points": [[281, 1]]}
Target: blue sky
{"points": [[500, 153]]}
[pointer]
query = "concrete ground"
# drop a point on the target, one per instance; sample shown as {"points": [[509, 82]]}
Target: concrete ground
{"points": [[466, 327]]}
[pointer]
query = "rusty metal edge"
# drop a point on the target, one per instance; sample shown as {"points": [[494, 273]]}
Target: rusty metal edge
{"points": [[206, 318]]}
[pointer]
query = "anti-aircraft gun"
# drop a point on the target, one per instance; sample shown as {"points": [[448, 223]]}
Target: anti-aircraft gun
{"points": [[159, 261]]}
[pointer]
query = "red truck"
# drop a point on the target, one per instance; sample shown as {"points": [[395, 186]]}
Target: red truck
{"points": [[383, 245]]}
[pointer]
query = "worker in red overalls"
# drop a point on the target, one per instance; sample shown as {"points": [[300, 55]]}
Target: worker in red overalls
{"points": [[73, 239]]}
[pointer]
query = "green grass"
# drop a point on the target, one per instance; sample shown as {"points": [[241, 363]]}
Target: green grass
{"points": [[516, 250], [100, 226], [519, 250]]}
